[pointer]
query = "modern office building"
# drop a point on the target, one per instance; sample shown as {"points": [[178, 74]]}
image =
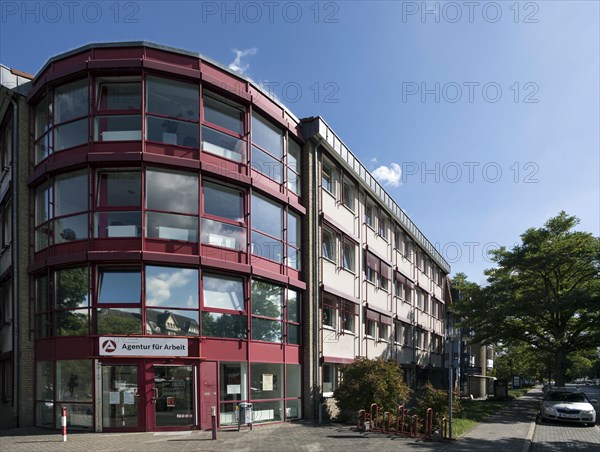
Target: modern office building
{"points": [[175, 240]]}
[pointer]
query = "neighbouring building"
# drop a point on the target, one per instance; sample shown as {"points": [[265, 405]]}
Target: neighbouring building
{"points": [[174, 239]]}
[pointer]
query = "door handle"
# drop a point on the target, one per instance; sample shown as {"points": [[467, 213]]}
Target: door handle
{"points": [[155, 394]]}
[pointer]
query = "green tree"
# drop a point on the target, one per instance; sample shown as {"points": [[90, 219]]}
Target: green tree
{"points": [[368, 381], [544, 292], [521, 359]]}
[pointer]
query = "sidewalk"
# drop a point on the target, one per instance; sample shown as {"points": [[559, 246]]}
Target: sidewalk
{"points": [[507, 432], [511, 430]]}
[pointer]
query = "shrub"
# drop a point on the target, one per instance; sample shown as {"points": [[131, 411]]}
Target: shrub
{"points": [[367, 381], [437, 400]]}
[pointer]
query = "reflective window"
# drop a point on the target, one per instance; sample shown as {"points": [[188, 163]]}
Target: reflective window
{"points": [[267, 299], [172, 191], [348, 194], [223, 202], [223, 292], [119, 286], [224, 325], [118, 321], [176, 106], [266, 381], [171, 286], [267, 216], [224, 114], [71, 288], [222, 144], [74, 381], [328, 247], [119, 94], [172, 322], [348, 259], [293, 162], [71, 101], [267, 136], [71, 196]]}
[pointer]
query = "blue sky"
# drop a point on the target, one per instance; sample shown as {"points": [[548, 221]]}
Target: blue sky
{"points": [[482, 119]]}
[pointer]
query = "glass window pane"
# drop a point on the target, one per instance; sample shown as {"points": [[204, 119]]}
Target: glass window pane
{"points": [[293, 229], [43, 199], [119, 286], [42, 297], [266, 330], [42, 325], [44, 380], [172, 322], [224, 325], [224, 235], [293, 388], [266, 381], [71, 101], [72, 322], [71, 193], [171, 227], [113, 95], [223, 292], [293, 181], [69, 229], [169, 286], [170, 131], [267, 216], [172, 98], [267, 247], [223, 202], [293, 158], [119, 189], [80, 415], [267, 299], [234, 381], [118, 128], [222, 144], [71, 134], [171, 191], [74, 380], [267, 165], [118, 224], [43, 113], [118, 321], [293, 258], [71, 288], [267, 136], [43, 414], [293, 334], [224, 115], [293, 306]]}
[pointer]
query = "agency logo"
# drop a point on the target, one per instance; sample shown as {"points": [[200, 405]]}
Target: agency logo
{"points": [[109, 346]]}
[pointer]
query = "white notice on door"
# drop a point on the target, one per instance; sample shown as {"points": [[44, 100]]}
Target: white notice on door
{"points": [[114, 398]]}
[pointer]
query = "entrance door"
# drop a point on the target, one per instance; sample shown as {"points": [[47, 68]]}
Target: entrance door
{"points": [[173, 396], [120, 397]]}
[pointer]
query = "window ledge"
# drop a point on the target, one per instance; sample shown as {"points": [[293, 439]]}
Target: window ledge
{"points": [[348, 332], [330, 328]]}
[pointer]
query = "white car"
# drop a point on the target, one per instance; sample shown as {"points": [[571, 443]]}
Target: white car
{"points": [[568, 404]]}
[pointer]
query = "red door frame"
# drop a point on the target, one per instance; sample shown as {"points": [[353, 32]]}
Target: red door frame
{"points": [[146, 403], [141, 399]]}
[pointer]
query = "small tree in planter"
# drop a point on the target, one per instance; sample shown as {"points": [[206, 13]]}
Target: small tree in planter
{"points": [[368, 381]]}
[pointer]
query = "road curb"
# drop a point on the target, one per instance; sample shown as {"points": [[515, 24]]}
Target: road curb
{"points": [[529, 437]]}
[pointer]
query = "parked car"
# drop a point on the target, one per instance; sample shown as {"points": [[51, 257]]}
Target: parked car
{"points": [[568, 404]]}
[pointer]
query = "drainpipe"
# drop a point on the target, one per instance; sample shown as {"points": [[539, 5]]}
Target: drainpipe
{"points": [[316, 330], [14, 252]]}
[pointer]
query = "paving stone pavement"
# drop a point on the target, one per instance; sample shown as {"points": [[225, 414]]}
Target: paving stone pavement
{"points": [[504, 432]]}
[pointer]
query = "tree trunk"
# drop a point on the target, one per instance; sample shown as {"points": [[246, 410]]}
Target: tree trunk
{"points": [[561, 367]]}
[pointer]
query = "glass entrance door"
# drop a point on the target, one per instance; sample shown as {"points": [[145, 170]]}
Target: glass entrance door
{"points": [[120, 397], [173, 396]]}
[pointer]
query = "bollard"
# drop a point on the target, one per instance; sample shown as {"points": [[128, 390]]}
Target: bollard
{"points": [[213, 419], [63, 422]]}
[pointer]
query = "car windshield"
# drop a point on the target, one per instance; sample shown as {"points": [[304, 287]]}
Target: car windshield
{"points": [[566, 397]]}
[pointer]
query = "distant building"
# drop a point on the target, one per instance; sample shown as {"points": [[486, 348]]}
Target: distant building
{"points": [[174, 240]]}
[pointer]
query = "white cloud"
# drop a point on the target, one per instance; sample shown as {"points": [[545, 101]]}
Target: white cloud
{"points": [[236, 64], [159, 286], [389, 176]]}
